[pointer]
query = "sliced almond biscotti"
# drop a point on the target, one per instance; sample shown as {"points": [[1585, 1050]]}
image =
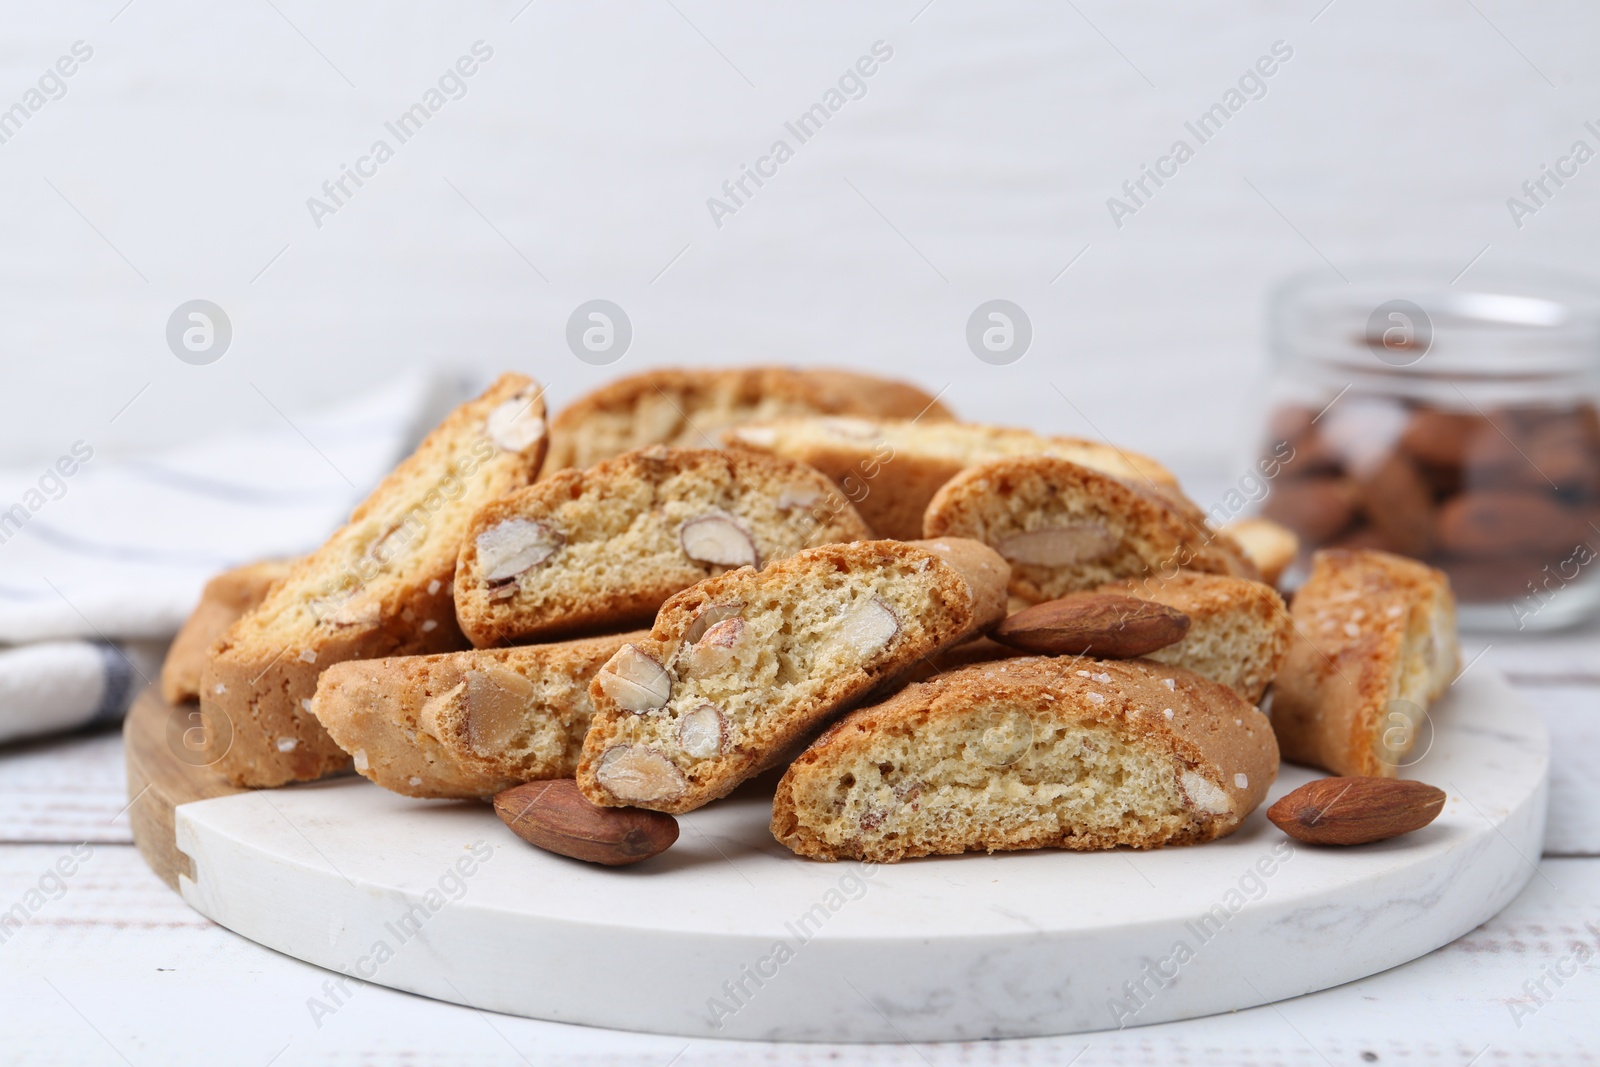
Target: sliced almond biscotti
{"points": [[465, 724], [1039, 752], [605, 547], [891, 468], [1271, 547], [380, 586], [1067, 527], [225, 598], [742, 668], [688, 407], [1374, 644], [1238, 629]]}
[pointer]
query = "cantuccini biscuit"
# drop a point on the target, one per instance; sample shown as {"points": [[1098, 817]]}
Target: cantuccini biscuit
{"points": [[891, 468], [1066, 527], [743, 667], [380, 586], [225, 598], [1374, 644], [604, 547], [1238, 629], [1270, 546], [1037, 752], [465, 724], [688, 407]]}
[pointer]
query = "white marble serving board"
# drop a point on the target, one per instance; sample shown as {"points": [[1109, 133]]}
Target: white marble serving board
{"points": [[729, 935]]}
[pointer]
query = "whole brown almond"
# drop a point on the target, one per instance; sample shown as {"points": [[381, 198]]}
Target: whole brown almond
{"points": [[1106, 625], [1442, 438], [1356, 810], [1318, 509], [1494, 523], [554, 816], [1504, 577], [1399, 504]]}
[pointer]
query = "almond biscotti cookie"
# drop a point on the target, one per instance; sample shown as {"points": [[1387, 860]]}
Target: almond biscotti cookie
{"points": [[380, 586], [1374, 644], [741, 668], [606, 546], [1038, 752], [1238, 629], [1066, 527], [891, 468], [465, 724], [689, 407], [1270, 546], [225, 598]]}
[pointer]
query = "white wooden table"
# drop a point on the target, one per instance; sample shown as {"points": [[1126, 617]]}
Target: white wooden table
{"points": [[116, 968]]}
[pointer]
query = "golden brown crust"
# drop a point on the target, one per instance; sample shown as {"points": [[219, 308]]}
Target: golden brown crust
{"points": [[224, 599], [1374, 645], [966, 654], [688, 406], [380, 586], [1127, 530], [984, 571], [794, 668], [616, 533], [891, 469], [906, 777], [1238, 629], [847, 392], [451, 725], [1271, 547]]}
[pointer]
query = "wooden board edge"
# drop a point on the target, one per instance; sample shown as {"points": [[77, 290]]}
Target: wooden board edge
{"points": [[159, 780]]}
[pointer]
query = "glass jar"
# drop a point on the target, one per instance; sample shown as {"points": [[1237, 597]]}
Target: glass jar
{"points": [[1455, 423]]}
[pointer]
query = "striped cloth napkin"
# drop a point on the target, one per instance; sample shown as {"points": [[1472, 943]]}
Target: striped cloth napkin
{"points": [[101, 560]]}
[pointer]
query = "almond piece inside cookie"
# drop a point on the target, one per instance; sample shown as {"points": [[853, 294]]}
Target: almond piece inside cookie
{"points": [[892, 468], [812, 634], [603, 548], [1030, 753], [466, 724], [378, 587], [1067, 527]]}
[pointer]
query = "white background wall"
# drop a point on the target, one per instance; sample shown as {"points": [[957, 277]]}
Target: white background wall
{"points": [[593, 137]]}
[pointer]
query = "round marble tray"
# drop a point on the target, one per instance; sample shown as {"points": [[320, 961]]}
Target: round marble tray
{"points": [[729, 935]]}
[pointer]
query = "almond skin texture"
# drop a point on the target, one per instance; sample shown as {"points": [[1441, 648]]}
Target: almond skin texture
{"points": [[554, 816], [1103, 625], [1356, 810]]}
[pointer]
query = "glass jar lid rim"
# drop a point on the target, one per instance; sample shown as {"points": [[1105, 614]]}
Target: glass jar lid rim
{"points": [[1522, 319]]}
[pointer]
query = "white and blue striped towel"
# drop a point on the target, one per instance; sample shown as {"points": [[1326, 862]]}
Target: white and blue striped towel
{"points": [[100, 566]]}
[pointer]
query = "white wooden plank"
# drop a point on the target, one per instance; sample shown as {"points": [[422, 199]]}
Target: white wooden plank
{"points": [[1572, 655], [168, 987], [64, 789], [1573, 716]]}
